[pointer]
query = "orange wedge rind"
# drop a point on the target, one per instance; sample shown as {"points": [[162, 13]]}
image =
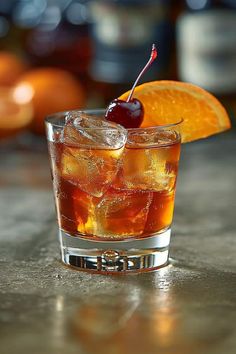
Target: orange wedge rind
{"points": [[168, 102]]}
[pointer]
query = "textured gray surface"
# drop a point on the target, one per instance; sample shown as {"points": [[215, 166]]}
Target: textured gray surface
{"points": [[187, 307]]}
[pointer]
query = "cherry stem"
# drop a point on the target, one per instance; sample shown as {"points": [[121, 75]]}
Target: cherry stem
{"points": [[152, 58]]}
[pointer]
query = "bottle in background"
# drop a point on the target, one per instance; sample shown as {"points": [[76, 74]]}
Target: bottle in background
{"points": [[206, 50], [9, 38], [55, 33], [122, 33]]}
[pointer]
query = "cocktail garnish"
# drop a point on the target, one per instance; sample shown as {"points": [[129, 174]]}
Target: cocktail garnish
{"points": [[129, 113]]}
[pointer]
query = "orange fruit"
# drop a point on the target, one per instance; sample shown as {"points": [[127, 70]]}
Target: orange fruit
{"points": [[15, 115], [11, 67], [53, 90], [167, 102]]}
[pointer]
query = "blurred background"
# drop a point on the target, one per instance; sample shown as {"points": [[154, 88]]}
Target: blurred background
{"points": [[65, 54], [57, 55]]}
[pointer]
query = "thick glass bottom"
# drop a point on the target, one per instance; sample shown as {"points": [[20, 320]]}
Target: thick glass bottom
{"points": [[132, 255]]}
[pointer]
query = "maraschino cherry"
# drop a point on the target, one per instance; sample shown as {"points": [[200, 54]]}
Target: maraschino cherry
{"points": [[129, 113]]}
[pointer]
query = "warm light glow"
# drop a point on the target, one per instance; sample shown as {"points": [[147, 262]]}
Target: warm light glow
{"points": [[59, 303], [165, 325], [23, 93]]}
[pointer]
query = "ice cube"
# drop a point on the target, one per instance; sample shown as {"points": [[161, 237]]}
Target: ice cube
{"points": [[122, 213], [84, 210], [160, 211], [147, 163], [76, 210], [64, 197], [90, 169], [83, 130], [91, 154], [153, 136]]}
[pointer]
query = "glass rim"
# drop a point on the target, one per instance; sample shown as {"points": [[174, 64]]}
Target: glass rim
{"points": [[57, 115]]}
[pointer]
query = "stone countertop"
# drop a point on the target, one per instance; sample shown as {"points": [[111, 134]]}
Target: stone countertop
{"points": [[186, 307]]}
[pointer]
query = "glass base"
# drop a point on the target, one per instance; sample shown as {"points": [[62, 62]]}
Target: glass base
{"points": [[132, 255]]}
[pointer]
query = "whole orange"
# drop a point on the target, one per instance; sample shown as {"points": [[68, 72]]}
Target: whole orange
{"points": [[53, 90], [11, 67], [15, 115]]}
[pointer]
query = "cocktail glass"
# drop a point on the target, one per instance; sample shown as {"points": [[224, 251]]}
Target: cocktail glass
{"points": [[114, 191]]}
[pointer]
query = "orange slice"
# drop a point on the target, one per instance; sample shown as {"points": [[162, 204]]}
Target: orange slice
{"points": [[167, 102], [14, 114]]}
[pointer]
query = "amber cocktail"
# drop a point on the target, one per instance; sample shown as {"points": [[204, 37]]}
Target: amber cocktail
{"points": [[114, 191]]}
